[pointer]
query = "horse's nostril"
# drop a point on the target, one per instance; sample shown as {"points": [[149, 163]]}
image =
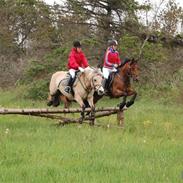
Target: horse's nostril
{"points": [[101, 92]]}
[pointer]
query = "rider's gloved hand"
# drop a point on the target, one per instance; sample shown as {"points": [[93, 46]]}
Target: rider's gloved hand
{"points": [[87, 67], [81, 69], [115, 65]]}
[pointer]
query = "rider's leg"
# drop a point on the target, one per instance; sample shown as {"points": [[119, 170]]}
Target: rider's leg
{"points": [[72, 72], [106, 73], [71, 80]]}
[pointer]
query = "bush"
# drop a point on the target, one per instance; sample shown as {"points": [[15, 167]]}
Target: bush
{"points": [[38, 72], [37, 90]]}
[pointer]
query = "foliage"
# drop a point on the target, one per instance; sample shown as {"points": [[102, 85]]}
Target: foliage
{"points": [[38, 72], [169, 18], [52, 62], [129, 46], [38, 37], [37, 90]]}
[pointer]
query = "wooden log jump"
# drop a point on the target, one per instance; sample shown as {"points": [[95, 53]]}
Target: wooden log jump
{"points": [[46, 111], [55, 114]]}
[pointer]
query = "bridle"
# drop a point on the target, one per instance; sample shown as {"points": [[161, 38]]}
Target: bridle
{"points": [[96, 87], [88, 89]]}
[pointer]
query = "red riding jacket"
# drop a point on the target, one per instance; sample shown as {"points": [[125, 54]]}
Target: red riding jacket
{"points": [[76, 60], [111, 58]]}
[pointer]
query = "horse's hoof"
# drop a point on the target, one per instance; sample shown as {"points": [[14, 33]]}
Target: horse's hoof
{"points": [[49, 103], [91, 123], [124, 108], [81, 120], [122, 105], [88, 113], [128, 104]]}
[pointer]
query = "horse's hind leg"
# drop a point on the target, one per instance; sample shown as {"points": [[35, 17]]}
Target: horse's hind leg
{"points": [[54, 99], [66, 102], [50, 100]]}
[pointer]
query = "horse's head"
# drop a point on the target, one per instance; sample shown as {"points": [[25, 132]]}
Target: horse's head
{"points": [[130, 68], [97, 81], [134, 70]]}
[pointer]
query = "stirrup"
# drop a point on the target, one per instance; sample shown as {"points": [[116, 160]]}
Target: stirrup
{"points": [[67, 89]]}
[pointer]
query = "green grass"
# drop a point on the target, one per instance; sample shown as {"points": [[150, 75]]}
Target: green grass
{"points": [[149, 149]]}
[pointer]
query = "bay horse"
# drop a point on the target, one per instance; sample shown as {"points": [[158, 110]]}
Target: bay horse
{"points": [[120, 84], [85, 85]]}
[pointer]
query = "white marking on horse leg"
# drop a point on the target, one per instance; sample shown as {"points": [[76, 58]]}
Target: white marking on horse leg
{"points": [[125, 107]]}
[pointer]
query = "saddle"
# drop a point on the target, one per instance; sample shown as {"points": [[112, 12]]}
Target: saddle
{"points": [[65, 83]]}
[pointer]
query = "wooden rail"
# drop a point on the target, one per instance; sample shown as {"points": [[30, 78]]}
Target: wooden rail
{"points": [[56, 114]]}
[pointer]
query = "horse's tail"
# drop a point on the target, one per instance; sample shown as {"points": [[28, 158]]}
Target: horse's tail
{"points": [[54, 99]]}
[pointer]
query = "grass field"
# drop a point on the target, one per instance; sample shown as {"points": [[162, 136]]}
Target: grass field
{"points": [[149, 149]]}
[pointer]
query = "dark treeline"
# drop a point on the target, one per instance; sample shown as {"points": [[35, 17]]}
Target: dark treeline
{"points": [[35, 39]]}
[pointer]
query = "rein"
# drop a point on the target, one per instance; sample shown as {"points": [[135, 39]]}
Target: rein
{"points": [[82, 84], [97, 86], [128, 74]]}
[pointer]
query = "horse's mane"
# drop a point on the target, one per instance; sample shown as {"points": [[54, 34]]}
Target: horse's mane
{"points": [[94, 70], [126, 60]]}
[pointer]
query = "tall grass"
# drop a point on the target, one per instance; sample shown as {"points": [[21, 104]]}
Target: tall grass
{"points": [[149, 149]]}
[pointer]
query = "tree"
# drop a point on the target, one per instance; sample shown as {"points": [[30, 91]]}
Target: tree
{"points": [[106, 17]]}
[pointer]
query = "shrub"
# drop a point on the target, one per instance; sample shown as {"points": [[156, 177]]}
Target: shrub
{"points": [[39, 71]]}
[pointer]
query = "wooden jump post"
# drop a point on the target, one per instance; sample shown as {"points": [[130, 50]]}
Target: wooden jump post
{"points": [[50, 113]]}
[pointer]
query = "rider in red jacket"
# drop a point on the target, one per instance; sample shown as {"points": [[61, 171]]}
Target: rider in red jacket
{"points": [[111, 60], [77, 61]]}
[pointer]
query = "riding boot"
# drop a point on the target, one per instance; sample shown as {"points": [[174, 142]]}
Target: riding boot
{"points": [[105, 84], [71, 85]]}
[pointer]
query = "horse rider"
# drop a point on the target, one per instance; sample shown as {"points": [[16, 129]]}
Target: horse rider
{"points": [[111, 60], [77, 61]]}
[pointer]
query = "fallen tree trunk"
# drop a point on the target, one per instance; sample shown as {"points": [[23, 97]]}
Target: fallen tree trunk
{"points": [[4, 111], [56, 114]]}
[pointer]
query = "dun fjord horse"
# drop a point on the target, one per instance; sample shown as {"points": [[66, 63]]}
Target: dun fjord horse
{"points": [[84, 87], [120, 85]]}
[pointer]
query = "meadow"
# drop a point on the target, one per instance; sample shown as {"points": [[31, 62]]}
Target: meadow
{"points": [[149, 148]]}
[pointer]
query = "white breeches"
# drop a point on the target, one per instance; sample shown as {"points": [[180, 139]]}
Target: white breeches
{"points": [[72, 72], [107, 71]]}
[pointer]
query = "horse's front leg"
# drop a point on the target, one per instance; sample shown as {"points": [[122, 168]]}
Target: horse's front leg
{"points": [[79, 100], [134, 95], [91, 103], [92, 116], [123, 103], [82, 114]]}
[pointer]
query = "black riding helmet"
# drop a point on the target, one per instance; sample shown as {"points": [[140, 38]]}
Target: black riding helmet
{"points": [[77, 44]]}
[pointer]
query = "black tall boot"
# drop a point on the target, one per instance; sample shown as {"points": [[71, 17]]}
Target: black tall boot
{"points": [[105, 84]]}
